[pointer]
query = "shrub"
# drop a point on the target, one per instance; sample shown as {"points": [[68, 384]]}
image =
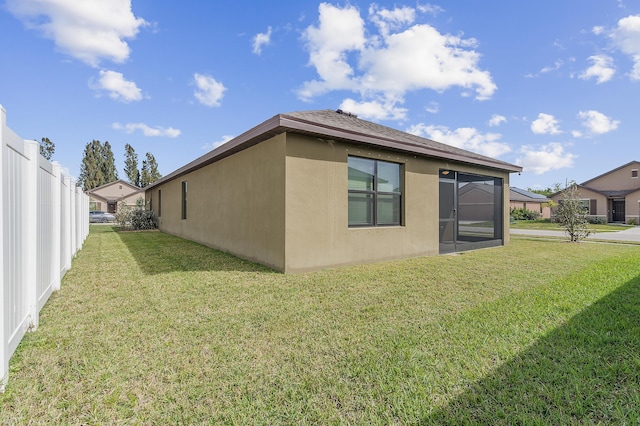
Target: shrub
{"points": [[123, 215], [143, 219], [597, 220], [633, 222], [571, 215], [136, 218], [524, 214]]}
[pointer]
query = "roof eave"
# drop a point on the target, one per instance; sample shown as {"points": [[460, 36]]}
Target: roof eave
{"points": [[282, 123]]}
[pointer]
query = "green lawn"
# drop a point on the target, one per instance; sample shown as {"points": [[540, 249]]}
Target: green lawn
{"points": [[546, 224], [152, 329]]}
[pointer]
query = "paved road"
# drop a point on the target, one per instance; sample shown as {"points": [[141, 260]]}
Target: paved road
{"points": [[632, 234]]}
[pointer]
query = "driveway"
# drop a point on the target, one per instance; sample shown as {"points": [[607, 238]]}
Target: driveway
{"points": [[632, 234]]}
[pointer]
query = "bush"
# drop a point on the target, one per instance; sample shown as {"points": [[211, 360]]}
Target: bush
{"points": [[143, 219], [136, 218], [597, 220], [524, 214], [633, 222]]}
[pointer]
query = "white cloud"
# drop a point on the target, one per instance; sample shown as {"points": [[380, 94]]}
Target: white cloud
{"points": [[208, 91], [597, 122], [597, 30], [148, 131], [433, 108], [339, 32], [602, 69], [626, 37], [89, 30], [214, 145], [374, 110], [545, 124], [497, 120], [430, 9], [387, 20], [547, 157], [117, 86], [400, 57], [465, 138], [260, 40]]}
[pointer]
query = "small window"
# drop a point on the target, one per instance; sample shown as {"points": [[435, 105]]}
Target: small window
{"points": [[120, 186], [375, 192], [184, 199], [634, 173], [159, 202], [585, 205]]}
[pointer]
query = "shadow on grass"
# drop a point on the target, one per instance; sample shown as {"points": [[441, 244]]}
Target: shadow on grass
{"points": [[159, 253], [586, 371]]}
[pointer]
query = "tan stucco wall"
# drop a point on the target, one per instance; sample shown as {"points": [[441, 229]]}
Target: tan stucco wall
{"points": [[318, 235], [235, 204], [632, 207], [284, 203], [586, 193], [619, 180], [116, 191]]}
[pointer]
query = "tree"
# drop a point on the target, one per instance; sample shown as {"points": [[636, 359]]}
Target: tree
{"points": [[131, 165], [150, 171], [547, 192], [98, 166], [571, 214], [108, 163], [47, 148], [91, 175]]}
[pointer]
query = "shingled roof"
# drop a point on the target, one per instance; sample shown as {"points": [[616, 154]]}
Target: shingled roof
{"points": [[341, 126]]}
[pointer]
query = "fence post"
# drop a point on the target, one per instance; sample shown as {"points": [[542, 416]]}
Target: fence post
{"points": [[66, 218], [57, 229], [4, 309], [30, 225]]}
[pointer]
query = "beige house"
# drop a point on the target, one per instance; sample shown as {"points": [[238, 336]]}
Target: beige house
{"points": [[106, 197], [522, 199], [310, 190], [614, 195]]}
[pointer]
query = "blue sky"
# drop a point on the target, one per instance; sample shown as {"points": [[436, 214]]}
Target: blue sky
{"points": [[553, 86]]}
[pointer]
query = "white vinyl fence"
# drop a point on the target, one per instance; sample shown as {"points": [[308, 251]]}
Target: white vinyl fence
{"points": [[44, 220]]}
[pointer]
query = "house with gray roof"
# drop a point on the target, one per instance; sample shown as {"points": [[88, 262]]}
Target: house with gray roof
{"points": [[308, 190], [522, 199], [614, 195]]}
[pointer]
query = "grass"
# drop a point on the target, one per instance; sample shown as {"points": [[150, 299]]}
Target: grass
{"points": [[152, 329], [548, 225]]}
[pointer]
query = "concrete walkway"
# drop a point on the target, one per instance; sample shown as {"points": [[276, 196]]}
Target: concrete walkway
{"points": [[631, 235]]}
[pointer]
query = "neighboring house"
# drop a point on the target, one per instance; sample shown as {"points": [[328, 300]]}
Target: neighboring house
{"points": [[614, 195], [106, 197], [317, 189], [521, 199]]}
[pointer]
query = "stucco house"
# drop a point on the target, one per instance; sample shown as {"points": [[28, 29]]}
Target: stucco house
{"points": [[523, 199], [310, 190], [614, 195], [106, 197]]}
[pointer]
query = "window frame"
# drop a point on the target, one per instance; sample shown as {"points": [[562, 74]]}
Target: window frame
{"points": [[185, 189], [634, 173], [375, 193]]}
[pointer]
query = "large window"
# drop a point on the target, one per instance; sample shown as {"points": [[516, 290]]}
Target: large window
{"points": [[184, 199], [375, 192]]}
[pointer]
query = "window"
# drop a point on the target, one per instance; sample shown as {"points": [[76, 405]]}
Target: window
{"points": [[159, 202], [634, 173], [375, 192], [585, 205], [184, 199]]}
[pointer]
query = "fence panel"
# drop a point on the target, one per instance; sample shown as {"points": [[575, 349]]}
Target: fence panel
{"points": [[44, 221]]}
